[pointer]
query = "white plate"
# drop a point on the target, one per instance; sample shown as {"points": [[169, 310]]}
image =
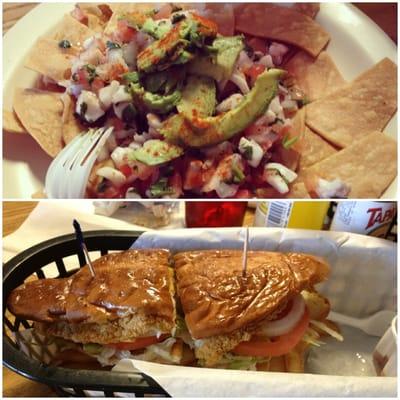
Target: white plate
{"points": [[357, 44]]}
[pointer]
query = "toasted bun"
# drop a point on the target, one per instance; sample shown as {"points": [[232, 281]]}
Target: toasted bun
{"points": [[125, 283], [217, 299]]}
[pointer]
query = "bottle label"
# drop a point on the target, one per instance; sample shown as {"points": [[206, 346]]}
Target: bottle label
{"points": [[278, 214], [369, 218]]}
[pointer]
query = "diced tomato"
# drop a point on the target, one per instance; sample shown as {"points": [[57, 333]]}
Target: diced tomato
{"points": [[263, 135], [79, 15], [126, 170], [254, 71], [138, 343], [194, 175], [97, 84], [116, 71], [258, 44], [243, 194], [143, 171], [82, 77], [116, 123], [282, 345], [175, 181], [111, 193], [288, 157], [267, 193], [164, 12], [124, 32]]}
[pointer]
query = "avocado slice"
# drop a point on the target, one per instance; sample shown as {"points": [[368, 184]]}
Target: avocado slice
{"points": [[198, 97], [152, 101], [201, 132], [156, 152], [156, 29], [173, 47], [220, 65]]}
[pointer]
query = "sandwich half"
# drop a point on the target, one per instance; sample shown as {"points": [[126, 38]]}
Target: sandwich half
{"points": [[263, 320], [126, 308]]}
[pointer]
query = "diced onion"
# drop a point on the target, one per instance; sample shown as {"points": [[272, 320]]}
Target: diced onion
{"points": [[224, 190], [121, 95], [229, 103], [239, 80], [93, 109], [120, 155], [266, 61], [106, 93], [278, 176], [112, 174]]}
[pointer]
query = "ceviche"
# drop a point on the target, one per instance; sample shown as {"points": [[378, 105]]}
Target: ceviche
{"points": [[206, 101]]}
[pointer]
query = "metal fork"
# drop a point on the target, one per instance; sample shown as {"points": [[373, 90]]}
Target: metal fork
{"points": [[69, 172]]}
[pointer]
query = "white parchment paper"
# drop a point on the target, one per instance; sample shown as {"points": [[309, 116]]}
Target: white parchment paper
{"points": [[362, 282]]}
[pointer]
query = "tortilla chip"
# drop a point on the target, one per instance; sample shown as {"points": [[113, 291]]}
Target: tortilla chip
{"points": [[222, 14], [310, 9], [120, 9], [40, 112], [362, 106], [368, 166], [11, 123], [315, 77], [72, 30], [281, 23], [298, 190], [314, 149], [98, 15], [47, 58], [291, 156], [71, 125]]}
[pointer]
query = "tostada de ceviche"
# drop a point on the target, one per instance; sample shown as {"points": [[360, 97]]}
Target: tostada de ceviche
{"points": [[210, 101]]}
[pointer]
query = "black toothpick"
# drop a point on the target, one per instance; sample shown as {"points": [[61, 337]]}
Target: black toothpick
{"points": [[79, 238]]}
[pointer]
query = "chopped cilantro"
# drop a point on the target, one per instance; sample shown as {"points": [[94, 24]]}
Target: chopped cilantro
{"points": [[247, 152], [64, 44], [238, 175], [177, 17], [160, 188], [112, 45], [102, 186], [129, 113], [91, 69], [83, 109], [288, 142]]}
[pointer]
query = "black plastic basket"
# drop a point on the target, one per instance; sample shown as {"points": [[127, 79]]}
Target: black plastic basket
{"points": [[66, 381]]}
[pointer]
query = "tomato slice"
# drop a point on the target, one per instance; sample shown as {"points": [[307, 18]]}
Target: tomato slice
{"points": [[138, 343], [283, 345]]}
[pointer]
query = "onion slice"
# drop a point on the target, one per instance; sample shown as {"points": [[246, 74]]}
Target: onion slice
{"points": [[288, 322]]}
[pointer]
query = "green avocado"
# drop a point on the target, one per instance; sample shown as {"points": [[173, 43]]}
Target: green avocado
{"points": [[174, 48], [161, 104], [198, 97], [220, 64], [201, 132], [156, 29], [155, 152]]}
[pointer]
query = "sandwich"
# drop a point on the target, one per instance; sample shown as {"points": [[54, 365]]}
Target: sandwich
{"points": [[263, 319], [127, 308]]}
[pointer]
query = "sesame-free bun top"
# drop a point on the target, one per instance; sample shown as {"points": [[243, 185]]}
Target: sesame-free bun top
{"points": [[129, 282], [217, 299]]}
